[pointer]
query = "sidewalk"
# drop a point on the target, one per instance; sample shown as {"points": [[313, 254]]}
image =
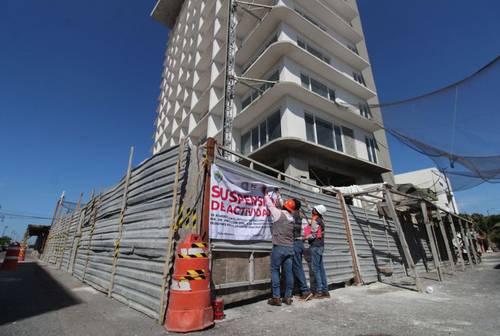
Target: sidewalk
{"points": [[38, 300]]}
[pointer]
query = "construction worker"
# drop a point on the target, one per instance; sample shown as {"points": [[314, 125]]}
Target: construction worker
{"points": [[298, 250], [316, 237], [282, 252]]}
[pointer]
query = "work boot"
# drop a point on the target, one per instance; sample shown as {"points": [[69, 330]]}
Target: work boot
{"points": [[275, 301], [319, 296], [288, 301], [326, 295], [306, 296]]}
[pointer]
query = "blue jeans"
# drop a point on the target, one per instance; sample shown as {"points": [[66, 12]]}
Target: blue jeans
{"points": [[281, 256], [298, 270], [318, 268]]}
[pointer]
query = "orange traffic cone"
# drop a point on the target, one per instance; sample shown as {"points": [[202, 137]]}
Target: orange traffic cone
{"points": [[190, 304]]}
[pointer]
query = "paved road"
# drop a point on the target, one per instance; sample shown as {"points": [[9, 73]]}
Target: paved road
{"points": [[37, 300]]}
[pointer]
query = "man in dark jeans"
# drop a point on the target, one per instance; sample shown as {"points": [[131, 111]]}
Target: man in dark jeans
{"points": [[298, 249], [282, 252], [316, 237]]}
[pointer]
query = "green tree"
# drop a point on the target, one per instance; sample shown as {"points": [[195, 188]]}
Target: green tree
{"points": [[5, 240]]}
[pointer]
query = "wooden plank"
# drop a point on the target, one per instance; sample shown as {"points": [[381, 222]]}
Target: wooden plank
{"points": [[465, 240], [445, 238], [454, 233], [432, 240], [350, 241], [402, 239], [120, 227], [471, 242], [169, 257]]}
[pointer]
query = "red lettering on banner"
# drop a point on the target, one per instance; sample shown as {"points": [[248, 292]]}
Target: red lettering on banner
{"points": [[215, 205]]}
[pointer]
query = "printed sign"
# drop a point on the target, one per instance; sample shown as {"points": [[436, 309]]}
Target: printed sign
{"points": [[237, 207]]}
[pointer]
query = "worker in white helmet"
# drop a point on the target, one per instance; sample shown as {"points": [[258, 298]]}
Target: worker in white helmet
{"points": [[315, 234]]}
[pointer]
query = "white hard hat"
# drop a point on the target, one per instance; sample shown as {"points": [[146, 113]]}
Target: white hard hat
{"points": [[321, 209]]}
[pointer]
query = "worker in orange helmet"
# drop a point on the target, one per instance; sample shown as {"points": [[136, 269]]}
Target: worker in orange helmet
{"points": [[282, 252]]}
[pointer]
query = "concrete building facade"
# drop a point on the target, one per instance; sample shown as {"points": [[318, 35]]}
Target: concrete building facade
{"points": [[313, 121], [434, 180]]}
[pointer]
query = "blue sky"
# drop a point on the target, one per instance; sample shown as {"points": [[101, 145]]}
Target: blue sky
{"points": [[79, 82]]}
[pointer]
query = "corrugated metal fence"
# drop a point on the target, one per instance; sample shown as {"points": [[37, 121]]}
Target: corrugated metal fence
{"points": [[118, 241]]}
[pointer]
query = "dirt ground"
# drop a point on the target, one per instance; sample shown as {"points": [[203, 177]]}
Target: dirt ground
{"points": [[38, 300]]}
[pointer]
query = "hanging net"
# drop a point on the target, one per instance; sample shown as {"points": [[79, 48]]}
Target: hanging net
{"points": [[458, 127]]}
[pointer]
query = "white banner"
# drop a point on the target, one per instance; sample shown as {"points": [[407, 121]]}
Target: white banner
{"points": [[237, 208]]}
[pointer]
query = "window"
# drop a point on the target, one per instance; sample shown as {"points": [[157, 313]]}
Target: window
{"points": [[359, 78], [274, 126], [353, 48], [310, 128], [323, 132], [338, 139], [317, 87], [364, 110], [371, 147], [263, 133], [331, 94], [245, 146], [304, 45], [274, 77], [266, 131]]}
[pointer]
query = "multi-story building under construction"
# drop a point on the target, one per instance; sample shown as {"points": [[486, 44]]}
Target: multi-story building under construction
{"points": [[310, 118]]}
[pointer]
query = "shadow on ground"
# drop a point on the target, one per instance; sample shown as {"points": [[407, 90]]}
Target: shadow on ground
{"points": [[29, 291]]}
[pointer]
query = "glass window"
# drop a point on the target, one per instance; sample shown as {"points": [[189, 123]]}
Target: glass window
{"points": [[245, 143], [324, 132], [301, 43], [338, 139], [263, 133], [319, 88], [305, 81], [255, 138], [246, 102], [331, 94], [371, 147], [310, 128], [274, 126]]}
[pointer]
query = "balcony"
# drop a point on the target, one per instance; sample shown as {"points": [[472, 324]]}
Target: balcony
{"points": [[291, 144], [282, 89], [285, 48], [304, 27], [166, 11]]}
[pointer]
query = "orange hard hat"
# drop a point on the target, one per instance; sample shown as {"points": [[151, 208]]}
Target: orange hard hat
{"points": [[289, 204]]}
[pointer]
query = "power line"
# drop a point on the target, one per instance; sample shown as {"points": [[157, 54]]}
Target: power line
{"points": [[21, 216]]}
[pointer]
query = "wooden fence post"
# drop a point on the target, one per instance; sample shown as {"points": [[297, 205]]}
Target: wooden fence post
{"points": [[350, 241], [465, 240], [432, 241], [205, 219], [95, 208], [445, 238], [120, 224], [66, 234], [401, 236], [471, 242], [169, 257], [454, 233], [78, 236]]}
